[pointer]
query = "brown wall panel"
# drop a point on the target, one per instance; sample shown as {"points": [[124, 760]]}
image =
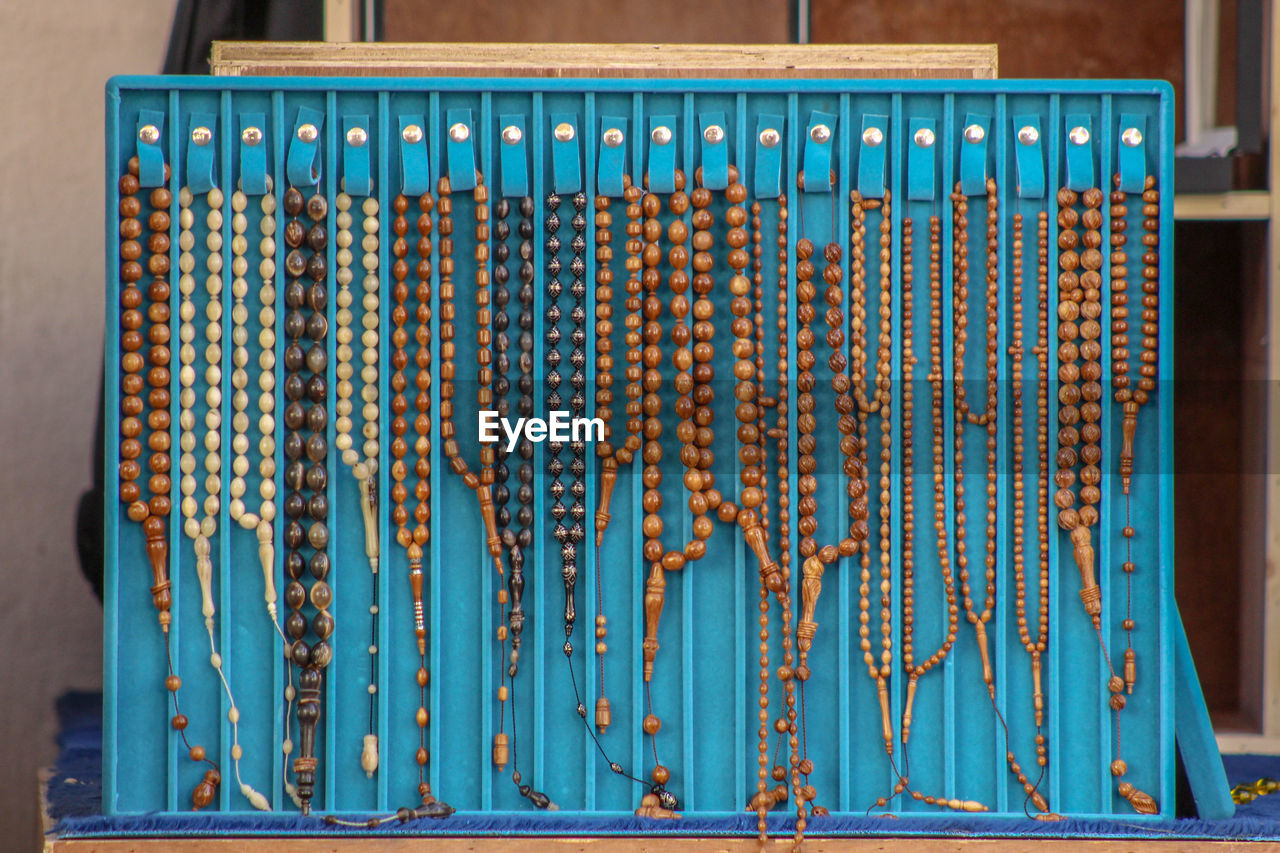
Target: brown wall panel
{"points": [[677, 21], [1037, 38]]}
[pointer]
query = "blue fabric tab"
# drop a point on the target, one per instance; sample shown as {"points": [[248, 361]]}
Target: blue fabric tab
{"points": [[973, 155], [1079, 156], [1028, 156], [817, 155], [921, 162], [512, 157], [462, 154], [611, 163], [201, 157], [415, 167], [566, 164], [303, 163], [662, 158], [150, 154], [253, 158], [871, 156], [768, 169], [356, 178], [715, 154], [1132, 159]]}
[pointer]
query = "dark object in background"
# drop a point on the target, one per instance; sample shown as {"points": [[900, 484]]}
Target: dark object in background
{"points": [[196, 25]]}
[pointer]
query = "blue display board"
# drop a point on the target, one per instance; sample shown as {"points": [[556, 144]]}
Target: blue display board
{"points": [[706, 681]]}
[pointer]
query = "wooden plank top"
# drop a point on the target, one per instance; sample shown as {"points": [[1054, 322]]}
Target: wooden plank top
{"points": [[459, 59]]}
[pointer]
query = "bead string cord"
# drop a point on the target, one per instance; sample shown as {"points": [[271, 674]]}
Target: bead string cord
{"points": [[786, 722], [139, 372], [612, 457], [262, 521], [416, 539], [748, 392], [306, 505], [363, 462], [502, 492], [650, 257], [915, 671], [660, 561], [1035, 647], [201, 529], [988, 419], [817, 558], [1080, 390], [1132, 399], [481, 483], [520, 540]]}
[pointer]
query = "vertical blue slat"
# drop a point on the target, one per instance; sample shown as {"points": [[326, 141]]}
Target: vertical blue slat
{"points": [[1059, 598], [1004, 639], [741, 560], [113, 645], [687, 134], [950, 709], [543, 670], [280, 725], [386, 540], [331, 763], [491, 673], [590, 576], [844, 582], [222, 554], [1112, 583], [174, 532], [1165, 410], [436, 630]]}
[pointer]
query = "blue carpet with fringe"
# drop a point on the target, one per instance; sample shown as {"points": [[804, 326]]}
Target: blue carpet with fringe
{"points": [[75, 804]]}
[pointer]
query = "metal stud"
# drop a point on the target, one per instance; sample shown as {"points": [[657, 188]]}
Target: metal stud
{"points": [[149, 134], [459, 132], [1028, 135], [924, 137], [251, 136], [201, 136], [1079, 135], [770, 138], [411, 134], [661, 134], [714, 134], [873, 136], [975, 133], [512, 135], [357, 136], [565, 132], [613, 137], [308, 132], [1131, 137], [820, 133]]}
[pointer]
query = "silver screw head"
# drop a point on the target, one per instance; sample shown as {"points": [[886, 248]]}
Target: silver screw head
{"points": [[1131, 137], [714, 134], [975, 133], [511, 134], [924, 137], [661, 134], [769, 137], [1028, 135], [251, 136], [357, 136], [613, 137], [308, 132], [1079, 135], [459, 132], [564, 132], [411, 134], [149, 134], [201, 136], [873, 136], [820, 133]]}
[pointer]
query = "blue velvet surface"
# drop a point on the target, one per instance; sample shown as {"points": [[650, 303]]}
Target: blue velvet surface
{"points": [[75, 802]]}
